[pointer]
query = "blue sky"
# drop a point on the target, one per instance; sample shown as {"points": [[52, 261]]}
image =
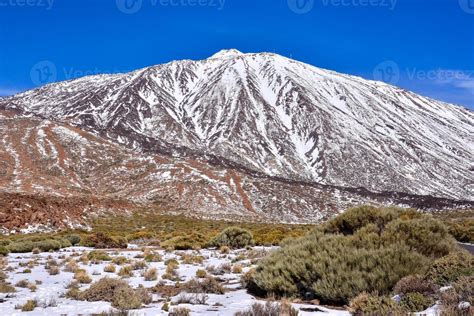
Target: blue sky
{"points": [[422, 45]]}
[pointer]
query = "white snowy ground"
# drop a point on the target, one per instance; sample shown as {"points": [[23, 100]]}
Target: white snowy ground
{"points": [[53, 286]]}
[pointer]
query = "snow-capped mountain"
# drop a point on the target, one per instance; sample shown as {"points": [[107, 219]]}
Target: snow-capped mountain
{"points": [[270, 115]]}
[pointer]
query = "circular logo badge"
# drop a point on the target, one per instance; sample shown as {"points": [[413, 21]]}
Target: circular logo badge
{"points": [[43, 73], [388, 72], [467, 6], [301, 6], [129, 6]]}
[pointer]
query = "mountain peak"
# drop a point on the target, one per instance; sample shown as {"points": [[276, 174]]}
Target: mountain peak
{"points": [[227, 53]]}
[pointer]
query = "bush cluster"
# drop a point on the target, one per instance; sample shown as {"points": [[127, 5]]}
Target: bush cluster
{"points": [[462, 231], [365, 249], [365, 304], [270, 309], [104, 241], [117, 292], [29, 244], [233, 237], [449, 268]]}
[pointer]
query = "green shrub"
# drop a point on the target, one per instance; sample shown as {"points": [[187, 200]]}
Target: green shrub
{"points": [[449, 268], [64, 242], [5, 242], [4, 251], [462, 231], [171, 262], [233, 237], [98, 256], [139, 265], [153, 257], [416, 302], [355, 218], [201, 273], [425, 235], [247, 280], [366, 304], [361, 256], [74, 239], [103, 241], [125, 298], [47, 245], [187, 242], [333, 270], [120, 260], [141, 235], [21, 246], [28, 245]]}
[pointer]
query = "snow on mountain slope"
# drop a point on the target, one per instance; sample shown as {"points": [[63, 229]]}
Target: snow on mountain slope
{"points": [[54, 175], [275, 116]]}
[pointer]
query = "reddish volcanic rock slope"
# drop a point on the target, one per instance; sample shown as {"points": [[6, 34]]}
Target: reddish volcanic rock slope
{"points": [[56, 175], [235, 136]]}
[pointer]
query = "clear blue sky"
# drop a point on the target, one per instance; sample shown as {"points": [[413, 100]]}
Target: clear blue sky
{"points": [[422, 45]]}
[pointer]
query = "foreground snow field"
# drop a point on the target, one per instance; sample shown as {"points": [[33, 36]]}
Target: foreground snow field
{"points": [[50, 289]]}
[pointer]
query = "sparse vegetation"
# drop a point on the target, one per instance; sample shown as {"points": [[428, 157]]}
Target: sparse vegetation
{"points": [[201, 273], [207, 285], [180, 311], [270, 309], [6, 287], [29, 306], [97, 256], [116, 291], [81, 276], [150, 274], [126, 271], [54, 270], [109, 268], [361, 261]]}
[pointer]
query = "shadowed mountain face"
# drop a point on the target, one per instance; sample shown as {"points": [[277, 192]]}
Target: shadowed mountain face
{"points": [[256, 116]]}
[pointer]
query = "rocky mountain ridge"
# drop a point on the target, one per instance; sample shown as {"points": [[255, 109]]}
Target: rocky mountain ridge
{"points": [[275, 123]]}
